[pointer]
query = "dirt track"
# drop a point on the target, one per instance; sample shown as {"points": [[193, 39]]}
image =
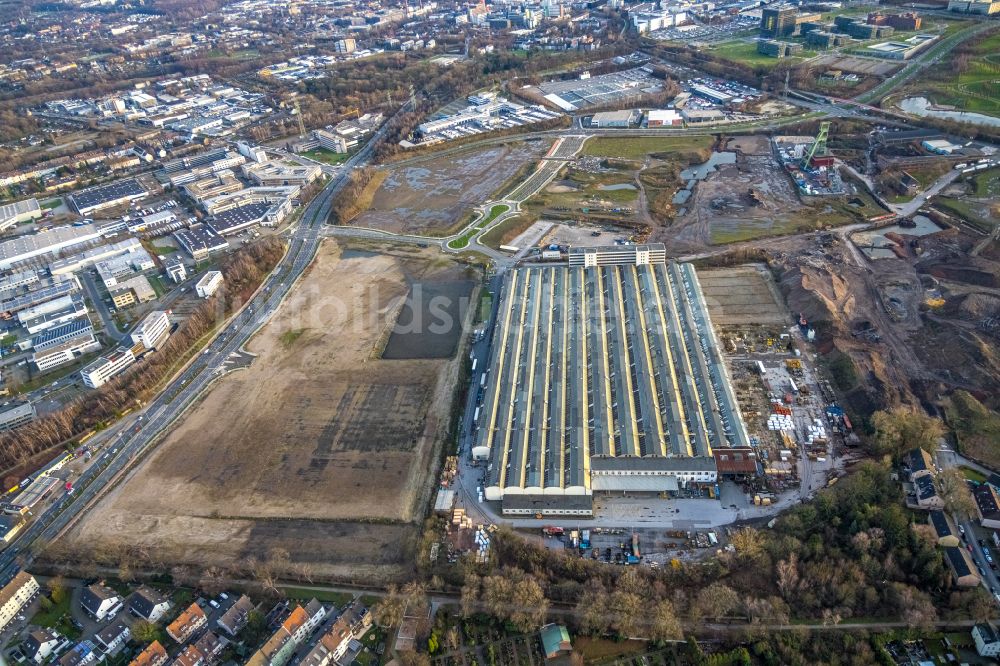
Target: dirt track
{"points": [[315, 430]]}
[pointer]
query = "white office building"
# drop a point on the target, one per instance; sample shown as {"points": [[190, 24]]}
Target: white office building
{"points": [[176, 271], [152, 329], [105, 368], [208, 284]]}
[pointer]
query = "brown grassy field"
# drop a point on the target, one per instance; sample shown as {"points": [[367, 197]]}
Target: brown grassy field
{"points": [[318, 448], [434, 197]]}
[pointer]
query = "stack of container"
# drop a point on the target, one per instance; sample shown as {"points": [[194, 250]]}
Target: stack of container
{"points": [[816, 431], [780, 422], [482, 544]]}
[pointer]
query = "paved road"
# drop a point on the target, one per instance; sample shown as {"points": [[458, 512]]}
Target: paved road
{"points": [[947, 457], [128, 441], [931, 56], [110, 327]]}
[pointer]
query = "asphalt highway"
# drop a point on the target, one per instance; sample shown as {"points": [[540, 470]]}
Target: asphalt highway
{"points": [[124, 445]]}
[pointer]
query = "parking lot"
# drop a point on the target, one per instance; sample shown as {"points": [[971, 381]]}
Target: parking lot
{"points": [[600, 90]]}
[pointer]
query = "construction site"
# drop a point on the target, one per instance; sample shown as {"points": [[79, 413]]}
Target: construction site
{"points": [[807, 162], [319, 447], [752, 187]]}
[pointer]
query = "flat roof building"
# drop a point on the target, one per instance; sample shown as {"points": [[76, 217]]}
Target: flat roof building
{"points": [[26, 247], [19, 211], [17, 416], [281, 173], [601, 375], [151, 330], [136, 289], [618, 255], [208, 284], [200, 240], [99, 372], [95, 198]]}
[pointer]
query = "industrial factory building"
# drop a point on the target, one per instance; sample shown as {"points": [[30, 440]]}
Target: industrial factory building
{"points": [[605, 376]]}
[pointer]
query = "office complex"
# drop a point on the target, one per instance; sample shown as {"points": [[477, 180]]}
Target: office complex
{"points": [[152, 329], [16, 416], [777, 22], [603, 377], [63, 344], [97, 373]]}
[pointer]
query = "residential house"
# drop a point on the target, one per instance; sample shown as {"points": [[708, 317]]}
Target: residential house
{"points": [[927, 494], [113, 636], [961, 567], [15, 595], [282, 644], [944, 530], [987, 640], [210, 646], [98, 600], [40, 644], [333, 644], [555, 641], [987, 506], [148, 604], [918, 463], [187, 624], [234, 619], [153, 655], [81, 654], [189, 656]]}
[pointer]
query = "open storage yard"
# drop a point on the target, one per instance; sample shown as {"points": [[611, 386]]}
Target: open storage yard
{"points": [[433, 197], [742, 295], [318, 448]]}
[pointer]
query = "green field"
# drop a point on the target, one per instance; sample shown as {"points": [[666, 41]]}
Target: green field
{"points": [[339, 599], [326, 156], [977, 89], [494, 237], [746, 52], [987, 183], [463, 240], [636, 148]]}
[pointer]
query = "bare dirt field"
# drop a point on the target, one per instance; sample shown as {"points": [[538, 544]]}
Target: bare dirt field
{"points": [[742, 295], [435, 196], [319, 448]]}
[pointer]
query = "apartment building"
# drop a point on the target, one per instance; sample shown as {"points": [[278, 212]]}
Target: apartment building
{"points": [[15, 595]]}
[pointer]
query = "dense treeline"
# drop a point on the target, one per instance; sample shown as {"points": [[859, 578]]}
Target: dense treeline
{"points": [[351, 199], [853, 552], [371, 82], [243, 272]]}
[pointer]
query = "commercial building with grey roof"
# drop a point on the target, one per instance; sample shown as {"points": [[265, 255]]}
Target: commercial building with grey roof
{"points": [[603, 378]]}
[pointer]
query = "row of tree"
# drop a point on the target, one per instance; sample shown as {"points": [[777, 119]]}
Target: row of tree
{"points": [[243, 271]]}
